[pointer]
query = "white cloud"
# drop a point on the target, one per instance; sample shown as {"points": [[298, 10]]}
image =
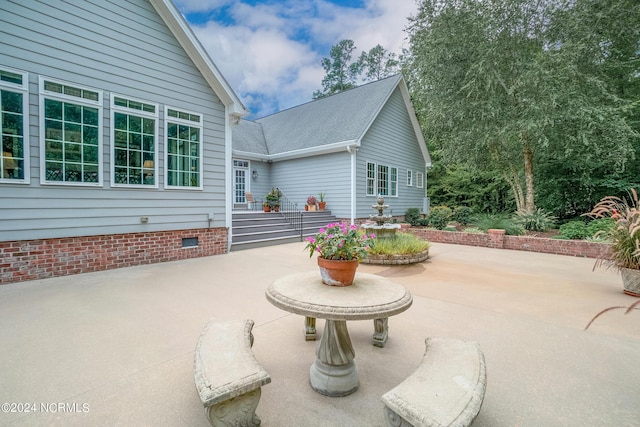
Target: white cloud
{"points": [[271, 53]]}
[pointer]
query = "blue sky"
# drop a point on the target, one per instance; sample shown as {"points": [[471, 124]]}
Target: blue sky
{"points": [[270, 51]]}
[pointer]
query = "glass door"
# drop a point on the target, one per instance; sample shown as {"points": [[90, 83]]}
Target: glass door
{"points": [[240, 183]]}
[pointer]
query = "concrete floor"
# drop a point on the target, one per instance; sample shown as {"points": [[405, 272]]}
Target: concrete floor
{"points": [[116, 347]]}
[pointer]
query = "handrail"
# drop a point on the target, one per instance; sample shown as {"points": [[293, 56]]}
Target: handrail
{"points": [[291, 213]]}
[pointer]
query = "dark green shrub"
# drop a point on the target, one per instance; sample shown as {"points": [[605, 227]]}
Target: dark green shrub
{"points": [[439, 216], [498, 221], [538, 220], [573, 230], [412, 216], [462, 215], [600, 227]]}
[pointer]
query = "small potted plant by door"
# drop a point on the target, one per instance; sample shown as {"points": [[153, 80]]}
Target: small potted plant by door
{"points": [[311, 203], [322, 204], [273, 199], [340, 247], [624, 252], [266, 207]]}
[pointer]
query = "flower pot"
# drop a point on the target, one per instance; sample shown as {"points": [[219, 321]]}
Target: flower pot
{"points": [[631, 281], [312, 207], [322, 205], [337, 272], [266, 208], [276, 208]]}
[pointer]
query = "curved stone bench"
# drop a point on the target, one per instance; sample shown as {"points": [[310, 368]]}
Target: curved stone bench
{"points": [[227, 376], [447, 389]]}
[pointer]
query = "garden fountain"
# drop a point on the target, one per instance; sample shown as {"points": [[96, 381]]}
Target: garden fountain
{"points": [[382, 228]]}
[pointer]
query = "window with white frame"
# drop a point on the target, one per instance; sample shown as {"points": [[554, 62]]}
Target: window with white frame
{"points": [[382, 180], [133, 142], [409, 178], [71, 140], [14, 156], [183, 149], [420, 180]]}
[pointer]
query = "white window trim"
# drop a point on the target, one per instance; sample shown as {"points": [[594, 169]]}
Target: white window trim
{"points": [[392, 184], [156, 116], [200, 125], [420, 180], [409, 178], [45, 94], [26, 143]]}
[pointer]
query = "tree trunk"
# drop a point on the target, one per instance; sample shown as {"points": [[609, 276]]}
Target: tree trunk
{"points": [[528, 179]]}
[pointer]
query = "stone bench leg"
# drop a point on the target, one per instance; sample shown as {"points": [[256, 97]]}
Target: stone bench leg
{"points": [[380, 327], [238, 411]]}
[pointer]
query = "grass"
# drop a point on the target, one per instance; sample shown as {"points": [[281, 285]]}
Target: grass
{"points": [[402, 244]]}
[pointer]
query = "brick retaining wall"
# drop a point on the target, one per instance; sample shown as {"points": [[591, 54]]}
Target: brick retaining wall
{"points": [[497, 239], [44, 258]]}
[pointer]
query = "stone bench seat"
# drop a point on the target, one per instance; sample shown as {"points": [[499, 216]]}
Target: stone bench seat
{"points": [[447, 388], [227, 376]]}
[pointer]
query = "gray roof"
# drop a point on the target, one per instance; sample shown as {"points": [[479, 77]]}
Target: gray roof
{"points": [[342, 117]]}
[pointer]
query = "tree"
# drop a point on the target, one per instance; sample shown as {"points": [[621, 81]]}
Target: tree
{"points": [[341, 72], [378, 63], [507, 83]]}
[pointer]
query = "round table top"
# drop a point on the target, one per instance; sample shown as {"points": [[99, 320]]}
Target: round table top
{"points": [[370, 297]]}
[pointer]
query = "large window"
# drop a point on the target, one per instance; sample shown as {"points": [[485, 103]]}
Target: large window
{"points": [[183, 149], [133, 142], [14, 156], [71, 140], [382, 180], [420, 180]]}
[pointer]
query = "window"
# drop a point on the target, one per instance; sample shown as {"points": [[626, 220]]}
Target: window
{"points": [[14, 156], [382, 180], [133, 142], [420, 180], [409, 178], [184, 148], [71, 140]]}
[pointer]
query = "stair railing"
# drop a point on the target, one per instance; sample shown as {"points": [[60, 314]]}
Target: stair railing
{"points": [[291, 213]]}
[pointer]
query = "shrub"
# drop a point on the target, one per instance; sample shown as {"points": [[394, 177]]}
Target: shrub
{"points": [[573, 230], [412, 216], [439, 216], [538, 220], [486, 222], [462, 214], [600, 227]]}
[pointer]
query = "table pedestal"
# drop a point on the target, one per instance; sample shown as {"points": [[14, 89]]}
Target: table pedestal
{"points": [[333, 373]]}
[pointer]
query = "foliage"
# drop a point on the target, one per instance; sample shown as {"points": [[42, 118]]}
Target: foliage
{"points": [[439, 216], [378, 63], [461, 215], [573, 230], [538, 220], [625, 236], [486, 222], [340, 241], [272, 198], [401, 244], [412, 216], [321, 196], [600, 227], [510, 84], [311, 200]]}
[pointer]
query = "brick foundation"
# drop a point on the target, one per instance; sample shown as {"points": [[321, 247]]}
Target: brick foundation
{"points": [[41, 259], [497, 239]]}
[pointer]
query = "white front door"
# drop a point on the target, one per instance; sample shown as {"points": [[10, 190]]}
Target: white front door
{"points": [[240, 181]]}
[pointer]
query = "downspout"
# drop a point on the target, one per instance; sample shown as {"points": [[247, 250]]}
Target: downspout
{"points": [[353, 149], [230, 121]]}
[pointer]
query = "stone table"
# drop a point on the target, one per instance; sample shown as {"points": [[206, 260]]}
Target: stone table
{"points": [[334, 373]]}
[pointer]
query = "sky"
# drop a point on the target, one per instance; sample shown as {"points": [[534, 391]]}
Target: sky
{"points": [[270, 51]]}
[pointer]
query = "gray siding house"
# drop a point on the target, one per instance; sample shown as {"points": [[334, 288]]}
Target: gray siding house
{"points": [[116, 138], [352, 146]]}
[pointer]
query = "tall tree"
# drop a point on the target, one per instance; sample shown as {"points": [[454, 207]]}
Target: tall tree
{"points": [[497, 84], [378, 63], [341, 71]]}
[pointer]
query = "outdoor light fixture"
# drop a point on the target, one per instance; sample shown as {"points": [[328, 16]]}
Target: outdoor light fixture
{"points": [[254, 174]]}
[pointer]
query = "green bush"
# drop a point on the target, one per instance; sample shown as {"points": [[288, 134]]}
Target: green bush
{"points": [[573, 230], [538, 220], [462, 215], [498, 221], [401, 244], [600, 227], [439, 216], [412, 216]]}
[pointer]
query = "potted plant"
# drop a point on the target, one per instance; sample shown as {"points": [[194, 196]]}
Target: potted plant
{"points": [[272, 198], [321, 202], [340, 247], [624, 251], [266, 207], [311, 203]]}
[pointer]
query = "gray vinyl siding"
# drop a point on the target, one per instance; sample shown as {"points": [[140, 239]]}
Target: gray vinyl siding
{"points": [[120, 47], [390, 141], [329, 173]]}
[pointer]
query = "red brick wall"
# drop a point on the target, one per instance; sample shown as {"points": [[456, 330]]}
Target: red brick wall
{"points": [[40, 259], [497, 239]]}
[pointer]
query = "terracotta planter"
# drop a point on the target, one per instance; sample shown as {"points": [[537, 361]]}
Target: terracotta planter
{"points": [[337, 272], [266, 208], [312, 207], [322, 205], [631, 281]]}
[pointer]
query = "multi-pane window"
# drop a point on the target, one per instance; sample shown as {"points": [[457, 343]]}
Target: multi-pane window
{"points": [[420, 180], [382, 180], [409, 178], [184, 149], [71, 119], [134, 146], [14, 157]]}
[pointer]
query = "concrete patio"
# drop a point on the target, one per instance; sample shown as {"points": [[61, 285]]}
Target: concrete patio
{"points": [[116, 347]]}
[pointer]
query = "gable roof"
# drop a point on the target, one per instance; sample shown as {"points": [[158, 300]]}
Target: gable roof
{"points": [[189, 42], [325, 125]]}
